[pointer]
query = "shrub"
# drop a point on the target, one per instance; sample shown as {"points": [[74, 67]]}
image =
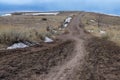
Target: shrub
{"points": [[44, 19], [66, 32], [9, 36], [105, 37], [12, 37]]}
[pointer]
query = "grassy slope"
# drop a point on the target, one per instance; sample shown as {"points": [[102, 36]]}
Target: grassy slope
{"points": [[109, 24], [27, 28]]}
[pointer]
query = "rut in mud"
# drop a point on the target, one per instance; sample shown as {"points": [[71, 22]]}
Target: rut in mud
{"points": [[77, 56], [22, 65], [75, 33]]}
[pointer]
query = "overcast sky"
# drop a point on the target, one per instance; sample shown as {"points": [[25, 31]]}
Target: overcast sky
{"points": [[103, 6]]}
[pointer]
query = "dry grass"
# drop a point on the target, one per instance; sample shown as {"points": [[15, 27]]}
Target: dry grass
{"points": [[109, 24], [9, 35], [27, 28], [105, 20], [32, 21], [112, 33]]}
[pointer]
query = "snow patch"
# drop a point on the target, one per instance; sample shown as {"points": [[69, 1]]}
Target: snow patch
{"points": [[18, 45], [102, 32], [37, 14], [92, 20], [90, 31], [65, 25], [48, 40], [60, 29], [7, 15], [54, 31], [68, 19]]}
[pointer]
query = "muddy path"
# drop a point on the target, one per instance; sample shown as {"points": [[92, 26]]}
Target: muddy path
{"points": [[75, 56], [77, 34], [32, 64], [28, 63]]}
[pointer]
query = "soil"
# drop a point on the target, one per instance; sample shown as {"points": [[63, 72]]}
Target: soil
{"points": [[75, 56]]}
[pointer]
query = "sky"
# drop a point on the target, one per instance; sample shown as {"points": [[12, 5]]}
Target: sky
{"points": [[101, 6]]}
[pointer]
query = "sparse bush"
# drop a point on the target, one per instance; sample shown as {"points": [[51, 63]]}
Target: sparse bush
{"points": [[105, 37], [12, 35], [112, 33], [66, 32], [42, 36], [48, 34], [26, 28], [44, 19]]}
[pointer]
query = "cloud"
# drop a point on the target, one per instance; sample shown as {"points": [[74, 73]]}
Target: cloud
{"points": [[16, 2], [24, 2], [111, 6], [32, 2], [81, 2]]}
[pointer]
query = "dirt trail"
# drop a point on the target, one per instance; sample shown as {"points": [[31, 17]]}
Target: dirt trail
{"points": [[88, 54], [75, 56], [32, 62], [75, 33]]}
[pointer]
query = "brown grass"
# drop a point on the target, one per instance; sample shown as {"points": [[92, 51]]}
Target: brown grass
{"points": [[107, 23], [27, 28], [112, 33], [9, 35], [32, 21]]}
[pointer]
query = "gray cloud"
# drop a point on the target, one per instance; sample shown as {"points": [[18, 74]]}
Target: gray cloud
{"points": [[110, 6]]}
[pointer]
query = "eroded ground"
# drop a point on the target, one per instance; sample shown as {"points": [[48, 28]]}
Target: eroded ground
{"points": [[76, 55]]}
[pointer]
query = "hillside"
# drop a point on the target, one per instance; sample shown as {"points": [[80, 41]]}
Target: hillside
{"points": [[79, 52]]}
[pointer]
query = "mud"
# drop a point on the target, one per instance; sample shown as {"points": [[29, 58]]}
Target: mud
{"points": [[77, 56]]}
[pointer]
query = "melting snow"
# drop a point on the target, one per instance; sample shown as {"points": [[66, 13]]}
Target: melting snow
{"points": [[48, 40], [92, 20], [46, 13], [65, 25], [90, 31], [18, 45], [7, 15], [102, 32], [68, 20]]}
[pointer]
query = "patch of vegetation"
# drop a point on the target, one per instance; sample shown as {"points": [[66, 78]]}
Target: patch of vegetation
{"points": [[13, 34], [44, 19], [28, 28], [111, 33]]}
